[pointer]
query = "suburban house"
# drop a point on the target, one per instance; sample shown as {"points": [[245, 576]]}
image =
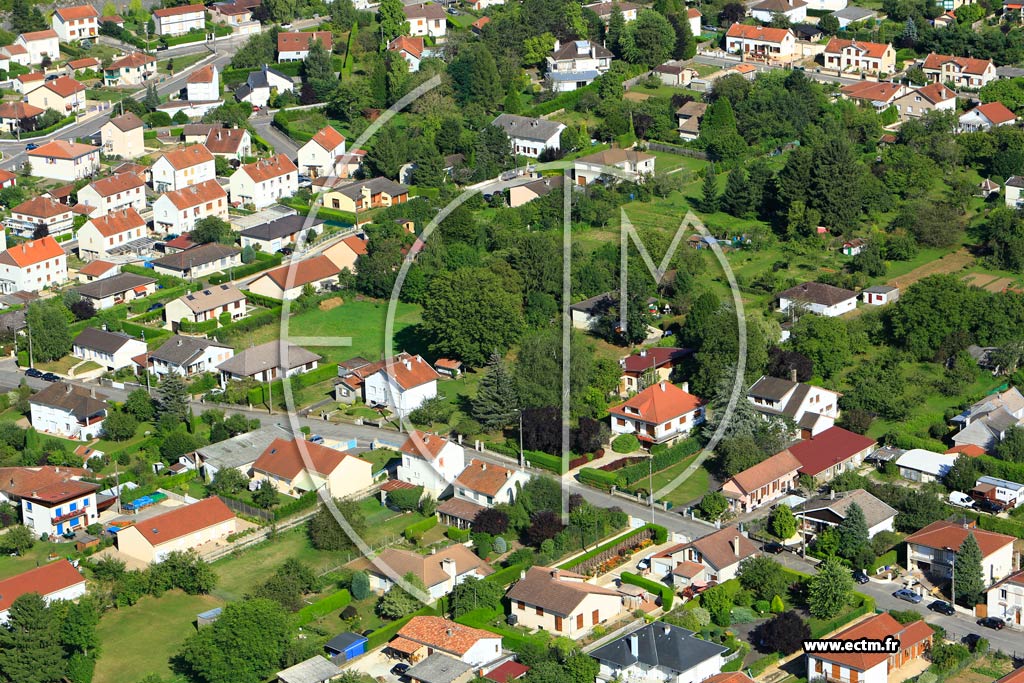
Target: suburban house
{"points": [[426, 19], [207, 304], [426, 635], [411, 49], [877, 95], [133, 69], [263, 363], [114, 193], [1012, 191], [659, 651], [439, 572], [487, 484], [122, 136], [63, 94], [648, 366], [364, 195], [766, 10], [675, 74], [203, 85], [985, 423], [959, 72], [39, 44], [183, 168], [430, 461], [812, 408], [766, 481], [72, 24], [817, 514], [715, 557], [198, 262], [530, 136], [542, 187], [117, 289], [1009, 494], [26, 83], [880, 295], [604, 10], [287, 282], [178, 211], [55, 581], [914, 640], [15, 54], [320, 156], [852, 15], [109, 233], [987, 116], [661, 413], [688, 118], [97, 270], [859, 56], [186, 356], [818, 298], [112, 350], [576, 64], [18, 116], [260, 85], [63, 160], [53, 500], [561, 602], [239, 452], [263, 182], [918, 102], [918, 464], [294, 46], [39, 212], [174, 21], [207, 522], [1005, 600], [933, 549], [401, 385], [295, 469], [68, 410], [760, 42], [831, 452], [32, 266], [277, 234], [229, 143], [630, 164], [345, 253]]}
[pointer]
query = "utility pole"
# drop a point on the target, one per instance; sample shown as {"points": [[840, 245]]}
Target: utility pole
{"points": [[522, 456], [31, 363]]}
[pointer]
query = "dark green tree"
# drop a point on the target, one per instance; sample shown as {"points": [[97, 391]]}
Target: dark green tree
{"points": [[829, 591], [783, 522], [30, 650], [212, 229], [709, 190], [396, 602], [119, 426], [152, 97], [648, 40], [78, 628], [616, 24], [172, 402], [265, 495], [359, 585], [735, 200], [474, 75], [17, 540], [48, 326], [473, 594], [392, 20], [963, 475], [713, 505], [327, 533], [492, 153], [686, 42], [968, 575], [718, 131], [823, 340], [853, 534], [318, 71], [496, 405], [829, 24], [140, 405], [764, 577], [832, 193]]}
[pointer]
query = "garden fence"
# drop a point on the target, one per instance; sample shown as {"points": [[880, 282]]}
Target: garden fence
{"points": [[673, 149]]}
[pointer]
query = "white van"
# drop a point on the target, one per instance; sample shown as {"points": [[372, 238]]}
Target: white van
{"points": [[960, 499]]}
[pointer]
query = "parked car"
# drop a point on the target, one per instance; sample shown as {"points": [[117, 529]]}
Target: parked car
{"points": [[400, 669], [942, 607], [908, 595], [860, 577], [960, 499], [32, 372], [31, 146], [991, 506], [50, 377], [773, 548], [154, 307], [317, 439], [305, 181], [992, 622], [285, 251]]}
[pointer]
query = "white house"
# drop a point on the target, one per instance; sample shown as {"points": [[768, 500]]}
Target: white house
{"points": [[562, 603], [277, 234], [921, 465], [319, 156], [63, 94], [401, 385], [530, 136], [430, 461], [426, 19], [987, 116], [33, 266], [69, 411], [819, 298], [859, 56], [261, 85], [200, 261], [112, 350], [661, 413], [108, 292], [40, 44], [203, 85], [439, 571], [659, 653], [63, 160], [263, 182], [604, 10], [880, 295], [101, 236], [411, 50], [1012, 191], [1005, 600], [207, 304], [263, 363], [54, 581], [630, 164], [296, 466], [188, 356], [288, 282], [813, 409], [114, 193], [824, 512], [766, 10], [959, 72], [183, 168], [177, 211], [437, 634], [132, 69], [294, 46], [75, 23], [760, 42], [174, 21], [933, 550], [714, 557], [1009, 494], [39, 211], [230, 143], [576, 64], [487, 484]]}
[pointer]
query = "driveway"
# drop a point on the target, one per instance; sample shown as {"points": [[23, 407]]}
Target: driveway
{"points": [[375, 664]]}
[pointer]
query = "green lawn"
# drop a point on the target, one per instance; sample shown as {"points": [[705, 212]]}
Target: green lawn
{"points": [[35, 557], [695, 486], [462, 20], [180, 63], [140, 640], [61, 366]]}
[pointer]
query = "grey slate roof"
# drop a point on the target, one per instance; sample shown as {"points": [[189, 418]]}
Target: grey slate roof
{"points": [[853, 14], [658, 645], [259, 358], [772, 388], [875, 511], [81, 403], [313, 670], [375, 185], [880, 289], [527, 128], [282, 227], [116, 284], [243, 449], [101, 340], [438, 668], [1015, 181], [179, 350], [341, 641], [196, 256], [817, 293]]}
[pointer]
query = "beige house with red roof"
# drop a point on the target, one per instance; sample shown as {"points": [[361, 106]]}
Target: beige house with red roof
{"points": [[661, 413], [766, 481], [832, 452], [287, 282], [715, 557], [174, 21], [103, 233], [320, 155], [346, 252], [40, 44], [294, 46], [52, 500], [97, 270], [123, 136], [130, 70], [295, 469], [562, 603], [230, 143], [920, 101], [879, 95], [39, 211], [933, 549], [64, 95], [263, 182], [959, 72], [654, 363], [859, 56], [439, 571], [177, 211], [430, 461], [914, 640], [114, 193], [487, 484], [423, 636], [183, 168], [54, 581], [1005, 600], [18, 116], [63, 160], [76, 23], [401, 386], [32, 266], [411, 48], [760, 42], [184, 528]]}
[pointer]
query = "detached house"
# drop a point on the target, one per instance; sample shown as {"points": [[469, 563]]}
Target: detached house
{"points": [[175, 21], [562, 603], [114, 193], [430, 461], [824, 512], [178, 211], [859, 56], [294, 46], [296, 468], [112, 350], [488, 484], [661, 413], [766, 481], [198, 262], [33, 266], [411, 50], [39, 212], [1007, 493], [133, 69], [261, 85], [117, 289], [660, 652], [832, 452], [439, 572], [76, 23], [766, 10], [818, 298], [760, 42], [878, 95], [364, 195], [186, 356], [63, 160], [68, 411], [426, 19], [914, 641], [113, 232], [932, 97], [715, 557], [18, 116], [320, 156], [54, 581], [184, 528], [425, 635], [287, 282], [576, 64], [40, 44], [1005, 600], [64, 94], [530, 136], [263, 182], [277, 234], [604, 10], [207, 304], [123, 136], [933, 549], [813, 409], [986, 117], [264, 363], [654, 364], [689, 117], [985, 423], [203, 85], [229, 143], [959, 72], [631, 165], [183, 168]]}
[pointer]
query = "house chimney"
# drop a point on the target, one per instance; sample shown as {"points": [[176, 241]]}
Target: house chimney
{"points": [[662, 385], [634, 645], [686, 387], [643, 353], [522, 572], [407, 363], [67, 389], [554, 574], [449, 632], [792, 374], [483, 467], [666, 629], [736, 545], [92, 393], [832, 494], [448, 567]]}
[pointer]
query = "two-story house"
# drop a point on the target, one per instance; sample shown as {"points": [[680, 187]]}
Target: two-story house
{"points": [[832, 452], [229, 143], [761, 42], [63, 94], [186, 356], [986, 117], [795, 11], [367, 194], [1009, 494], [605, 8], [439, 571], [659, 652], [648, 366], [68, 410], [1005, 600], [576, 64], [18, 116], [933, 550], [487, 484], [63, 160], [426, 19], [75, 23], [296, 466], [200, 261], [39, 212], [530, 136], [33, 266], [812, 408], [661, 413], [859, 56], [183, 168], [101, 236], [206, 304], [133, 69], [914, 640], [411, 49], [320, 156], [561, 602], [203, 85], [920, 101], [261, 85], [54, 502], [430, 461], [123, 136], [174, 21], [714, 557], [112, 350], [959, 72], [114, 193], [401, 385], [177, 211], [117, 289], [613, 165], [824, 512], [294, 46], [40, 44], [766, 481], [263, 182]]}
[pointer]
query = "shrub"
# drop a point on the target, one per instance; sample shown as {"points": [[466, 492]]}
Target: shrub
{"points": [[762, 606], [456, 534], [666, 592], [625, 443]]}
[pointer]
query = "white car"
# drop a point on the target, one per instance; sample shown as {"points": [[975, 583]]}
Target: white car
{"points": [[960, 499]]}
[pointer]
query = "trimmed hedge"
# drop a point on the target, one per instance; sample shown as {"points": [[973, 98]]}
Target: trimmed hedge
{"points": [[49, 129], [164, 281], [666, 593], [343, 217], [544, 461], [674, 455], [417, 529], [332, 603], [867, 607], [599, 478], [504, 577], [999, 525], [567, 100], [625, 443], [204, 327], [260, 300], [304, 502], [605, 546], [262, 262], [456, 534], [321, 374], [248, 324]]}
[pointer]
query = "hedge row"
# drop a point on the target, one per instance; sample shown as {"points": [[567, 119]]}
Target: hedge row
{"points": [[999, 525], [605, 546], [759, 666], [164, 281], [504, 577], [260, 300], [324, 212], [49, 129], [304, 502], [387, 632], [674, 455], [567, 100], [867, 607], [598, 478], [544, 461], [260, 264], [655, 587], [193, 36], [248, 324], [165, 294], [1001, 469], [417, 529], [332, 603], [204, 327]]}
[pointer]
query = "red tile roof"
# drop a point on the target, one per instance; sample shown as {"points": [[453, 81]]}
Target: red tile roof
{"points": [[935, 93], [943, 534], [31, 77], [194, 195], [24, 481], [43, 580], [204, 75], [31, 253], [131, 61], [443, 634], [96, 268], [656, 357], [65, 86], [873, 92], [873, 50], [658, 403], [316, 269], [766, 471], [189, 156], [831, 447], [762, 33], [423, 445], [116, 222], [41, 207], [356, 244], [412, 371], [413, 46], [328, 138], [968, 65], [996, 112], [62, 149], [19, 110], [184, 520], [1015, 676], [265, 169], [39, 35], [177, 11], [299, 41], [487, 478], [970, 450], [693, 13], [479, 24], [286, 459], [78, 12], [121, 182], [182, 241], [878, 627], [510, 670], [83, 63]]}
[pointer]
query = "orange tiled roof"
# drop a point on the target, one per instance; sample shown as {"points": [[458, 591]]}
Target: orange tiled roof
{"points": [[874, 50], [121, 182], [443, 634], [299, 41], [658, 403], [44, 580], [41, 207], [116, 222], [31, 253], [304, 272], [763, 33], [197, 194], [878, 627], [328, 138], [78, 12], [177, 11], [423, 445], [192, 155], [968, 65], [184, 520], [62, 149], [285, 459], [483, 477], [131, 61], [943, 534], [265, 169], [413, 46]]}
